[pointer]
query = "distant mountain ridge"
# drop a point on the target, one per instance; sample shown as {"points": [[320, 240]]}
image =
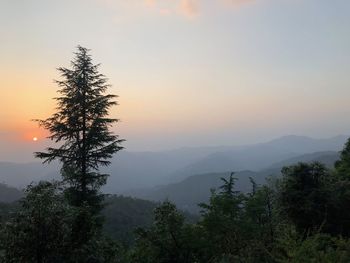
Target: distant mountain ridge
{"points": [[260, 156], [9, 194], [328, 158], [132, 170], [188, 193]]}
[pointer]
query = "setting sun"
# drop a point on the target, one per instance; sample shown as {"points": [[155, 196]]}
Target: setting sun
{"points": [[35, 139]]}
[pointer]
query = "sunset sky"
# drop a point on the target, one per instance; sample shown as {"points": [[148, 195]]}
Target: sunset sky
{"points": [[188, 72]]}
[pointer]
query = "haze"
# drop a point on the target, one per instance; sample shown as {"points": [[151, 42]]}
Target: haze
{"points": [[188, 73]]}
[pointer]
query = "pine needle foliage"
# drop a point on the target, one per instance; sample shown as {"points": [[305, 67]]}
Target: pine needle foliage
{"points": [[81, 129]]}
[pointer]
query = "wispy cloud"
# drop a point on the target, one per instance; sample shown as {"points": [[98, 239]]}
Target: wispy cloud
{"points": [[186, 8], [150, 3], [237, 3], [189, 8], [165, 11]]}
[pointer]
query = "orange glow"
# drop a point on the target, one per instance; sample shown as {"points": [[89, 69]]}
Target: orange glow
{"points": [[23, 99]]}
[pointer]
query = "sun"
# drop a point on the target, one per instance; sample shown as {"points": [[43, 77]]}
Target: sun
{"points": [[35, 139]]}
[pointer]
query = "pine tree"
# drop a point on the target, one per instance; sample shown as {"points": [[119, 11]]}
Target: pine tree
{"points": [[342, 166], [81, 126]]}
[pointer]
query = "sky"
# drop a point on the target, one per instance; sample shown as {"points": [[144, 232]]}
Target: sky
{"points": [[187, 72]]}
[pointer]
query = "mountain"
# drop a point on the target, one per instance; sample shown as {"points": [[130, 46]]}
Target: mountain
{"points": [[21, 174], [328, 158], [147, 169], [124, 214], [259, 156], [133, 170], [195, 189], [9, 194]]}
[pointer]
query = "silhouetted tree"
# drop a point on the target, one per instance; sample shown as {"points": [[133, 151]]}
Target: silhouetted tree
{"points": [[342, 166], [228, 187], [169, 240], [223, 223], [304, 195], [39, 231], [81, 126]]}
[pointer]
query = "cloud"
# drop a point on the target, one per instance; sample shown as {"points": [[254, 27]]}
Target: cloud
{"points": [[236, 3], [185, 8], [189, 8], [150, 3], [165, 11]]}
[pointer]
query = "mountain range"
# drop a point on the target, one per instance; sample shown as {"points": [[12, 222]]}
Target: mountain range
{"points": [[195, 189], [137, 171]]}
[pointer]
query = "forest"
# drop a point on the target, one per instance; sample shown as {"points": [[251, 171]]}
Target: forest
{"points": [[300, 216]]}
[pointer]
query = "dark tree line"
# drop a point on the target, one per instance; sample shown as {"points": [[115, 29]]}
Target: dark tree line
{"points": [[301, 217]]}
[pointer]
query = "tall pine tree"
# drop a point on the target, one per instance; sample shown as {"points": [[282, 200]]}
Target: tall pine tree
{"points": [[81, 127]]}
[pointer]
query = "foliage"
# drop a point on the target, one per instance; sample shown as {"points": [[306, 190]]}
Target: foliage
{"points": [[169, 239], [300, 218], [342, 166], [233, 227], [7, 210], [124, 214], [304, 195], [39, 231], [223, 220], [237, 226], [82, 127], [9, 194], [82, 124], [318, 248]]}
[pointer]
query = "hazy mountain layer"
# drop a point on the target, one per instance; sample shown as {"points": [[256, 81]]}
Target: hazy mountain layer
{"points": [[132, 170], [9, 194], [196, 189]]}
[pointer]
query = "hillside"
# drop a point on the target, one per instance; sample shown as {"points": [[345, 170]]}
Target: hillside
{"points": [[21, 174], [124, 214], [9, 194], [196, 188], [328, 158], [260, 156], [134, 170]]}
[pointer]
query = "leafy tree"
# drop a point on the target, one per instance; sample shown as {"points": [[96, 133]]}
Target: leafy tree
{"points": [[340, 197], [124, 214], [338, 208], [40, 230], [223, 222], [320, 248], [81, 126], [304, 196], [169, 240], [342, 166], [261, 221], [227, 189]]}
